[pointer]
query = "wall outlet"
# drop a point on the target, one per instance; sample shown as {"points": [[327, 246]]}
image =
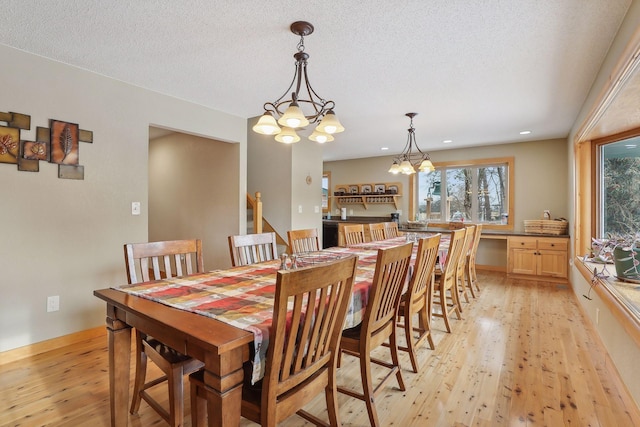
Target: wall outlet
{"points": [[350, 212], [53, 303], [135, 208], [316, 209], [299, 208]]}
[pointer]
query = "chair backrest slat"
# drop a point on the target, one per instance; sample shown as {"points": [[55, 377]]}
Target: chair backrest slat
{"points": [[391, 230], [252, 248], [377, 231], [423, 267], [301, 241], [309, 312], [392, 265], [157, 260], [353, 234]]}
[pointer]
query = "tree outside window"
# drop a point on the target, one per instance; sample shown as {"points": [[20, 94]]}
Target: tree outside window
{"points": [[475, 193]]}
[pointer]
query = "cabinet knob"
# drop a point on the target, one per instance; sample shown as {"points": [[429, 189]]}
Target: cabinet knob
{"points": [[553, 244]]}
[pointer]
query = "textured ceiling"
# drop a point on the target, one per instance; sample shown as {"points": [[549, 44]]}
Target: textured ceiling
{"points": [[476, 71]]}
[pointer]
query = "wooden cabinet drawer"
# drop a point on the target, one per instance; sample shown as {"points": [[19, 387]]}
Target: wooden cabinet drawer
{"points": [[523, 243], [553, 244]]}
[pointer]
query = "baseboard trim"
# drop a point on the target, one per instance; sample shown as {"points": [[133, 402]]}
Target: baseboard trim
{"points": [[48, 345], [501, 269]]}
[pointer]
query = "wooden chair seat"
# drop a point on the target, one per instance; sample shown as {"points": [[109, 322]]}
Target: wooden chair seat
{"points": [[302, 353], [418, 299], [379, 325], [471, 276], [154, 261], [445, 294]]}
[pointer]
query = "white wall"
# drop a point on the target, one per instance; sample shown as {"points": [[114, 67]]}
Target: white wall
{"points": [[540, 166], [64, 237], [191, 195]]}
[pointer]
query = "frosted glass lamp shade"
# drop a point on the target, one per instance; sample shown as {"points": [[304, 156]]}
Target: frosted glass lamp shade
{"points": [[267, 125], [330, 124], [293, 117], [287, 136]]}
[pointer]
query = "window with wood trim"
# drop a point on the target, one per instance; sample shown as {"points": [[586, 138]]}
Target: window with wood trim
{"points": [[477, 191]]}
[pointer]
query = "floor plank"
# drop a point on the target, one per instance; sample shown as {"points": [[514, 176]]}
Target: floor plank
{"points": [[521, 356]]}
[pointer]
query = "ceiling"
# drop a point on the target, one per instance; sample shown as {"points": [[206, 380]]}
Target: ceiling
{"points": [[477, 71]]}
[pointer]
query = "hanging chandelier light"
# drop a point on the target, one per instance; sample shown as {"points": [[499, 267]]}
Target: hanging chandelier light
{"points": [[289, 111], [409, 160]]}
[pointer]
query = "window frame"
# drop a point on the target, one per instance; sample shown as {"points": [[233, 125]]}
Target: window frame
{"points": [[473, 163]]}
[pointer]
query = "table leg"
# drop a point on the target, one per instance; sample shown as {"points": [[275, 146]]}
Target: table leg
{"points": [[223, 382], [119, 359]]}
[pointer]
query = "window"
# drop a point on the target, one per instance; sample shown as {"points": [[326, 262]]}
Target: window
{"points": [[618, 189], [477, 191]]}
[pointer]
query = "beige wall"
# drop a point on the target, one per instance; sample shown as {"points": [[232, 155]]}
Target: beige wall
{"points": [[620, 346], [64, 237], [279, 171], [191, 195], [540, 177]]}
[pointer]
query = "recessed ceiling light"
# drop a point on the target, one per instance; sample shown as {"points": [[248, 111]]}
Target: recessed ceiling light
{"points": [[525, 132], [446, 141], [631, 145], [384, 148]]}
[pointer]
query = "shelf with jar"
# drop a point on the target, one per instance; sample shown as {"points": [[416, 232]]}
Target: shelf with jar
{"points": [[368, 194]]}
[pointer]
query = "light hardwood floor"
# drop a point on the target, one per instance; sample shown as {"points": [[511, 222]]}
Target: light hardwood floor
{"points": [[521, 356]]}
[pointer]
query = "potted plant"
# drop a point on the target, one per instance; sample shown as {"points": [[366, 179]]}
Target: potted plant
{"points": [[623, 250]]}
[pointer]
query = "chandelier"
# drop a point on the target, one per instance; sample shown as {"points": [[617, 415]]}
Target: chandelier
{"points": [[409, 160], [293, 118]]}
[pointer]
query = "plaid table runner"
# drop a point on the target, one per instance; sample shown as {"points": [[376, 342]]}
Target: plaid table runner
{"points": [[243, 296]]}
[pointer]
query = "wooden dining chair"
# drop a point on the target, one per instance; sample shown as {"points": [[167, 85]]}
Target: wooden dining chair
{"points": [[444, 291], [470, 271], [308, 315], [461, 267], [252, 248], [301, 241], [376, 231], [391, 230], [155, 261], [353, 234], [379, 325], [418, 297]]}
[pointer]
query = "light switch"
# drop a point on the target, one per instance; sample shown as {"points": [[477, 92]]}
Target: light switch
{"points": [[299, 208], [135, 208], [316, 209]]}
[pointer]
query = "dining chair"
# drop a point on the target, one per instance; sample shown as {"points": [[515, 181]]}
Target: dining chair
{"points": [[155, 261], [376, 231], [301, 241], [252, 248], [309, 311], [379, 325], [470, 272], [391, 230], [417, 299], [444, 291], [353, 234], [461, 267]]}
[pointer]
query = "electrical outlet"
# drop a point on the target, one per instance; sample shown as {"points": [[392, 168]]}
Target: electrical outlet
{"points": [[316, 209], [135, 208], [299, 208], [350, 212], [53, 303]]}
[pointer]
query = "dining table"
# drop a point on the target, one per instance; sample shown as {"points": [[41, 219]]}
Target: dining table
{"points": [[222, 318]]}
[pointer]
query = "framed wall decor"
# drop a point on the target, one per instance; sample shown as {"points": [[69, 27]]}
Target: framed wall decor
{"points": [[9, 144], [64, 143]]}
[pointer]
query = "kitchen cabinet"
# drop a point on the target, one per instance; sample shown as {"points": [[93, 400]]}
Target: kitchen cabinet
{"points": [[538, 257]]}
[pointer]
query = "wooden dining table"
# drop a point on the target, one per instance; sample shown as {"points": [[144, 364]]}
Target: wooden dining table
{"points": [[221, 318]]}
